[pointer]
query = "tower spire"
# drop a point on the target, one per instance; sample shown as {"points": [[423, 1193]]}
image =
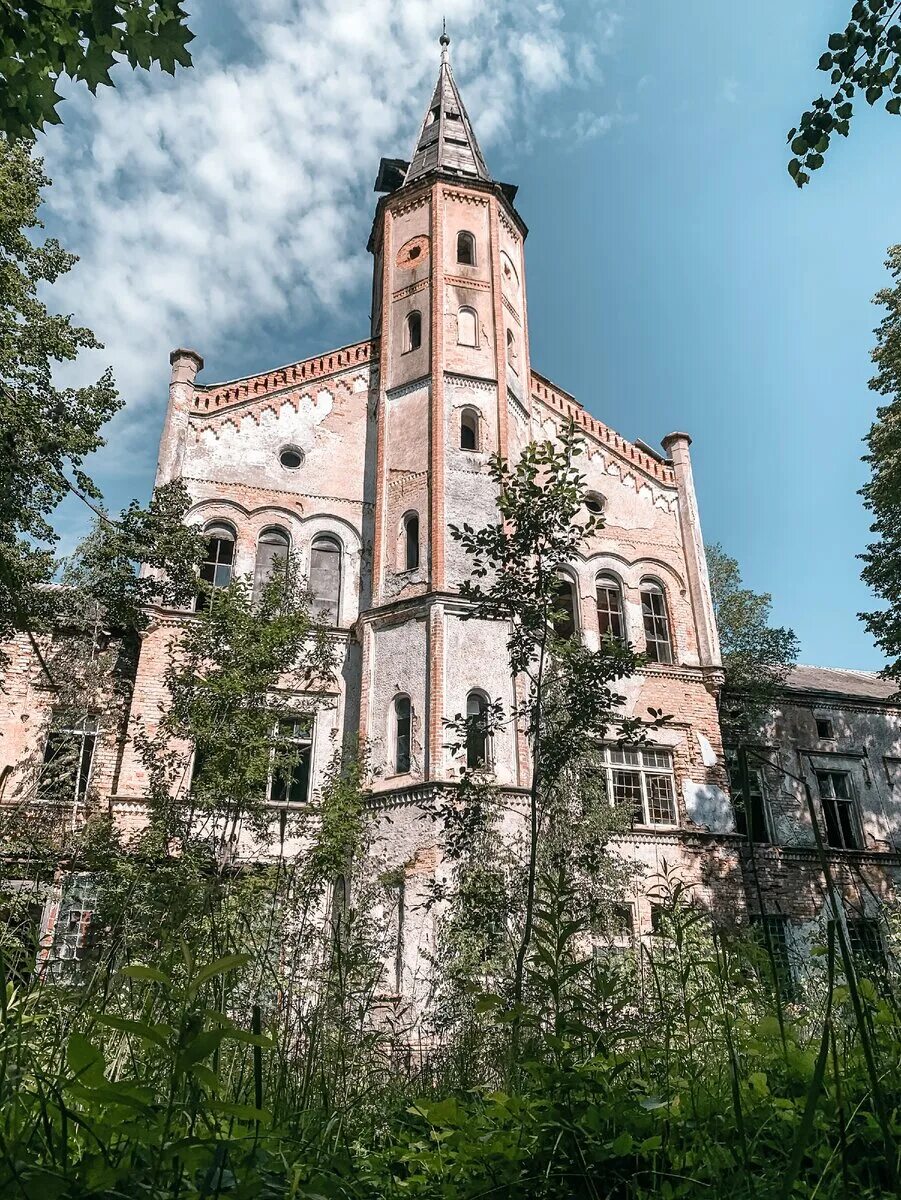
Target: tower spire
{"points": [[446, 140]]}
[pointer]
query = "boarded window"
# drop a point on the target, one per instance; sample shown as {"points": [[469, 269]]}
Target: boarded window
{"points": [[68, 758], [656, 623], [403, 721], [610, 608], [272, 552], [467, 327], [325, 578]]}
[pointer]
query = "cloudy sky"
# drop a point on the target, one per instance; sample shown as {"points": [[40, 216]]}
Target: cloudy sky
{"points": [[676, 277]]}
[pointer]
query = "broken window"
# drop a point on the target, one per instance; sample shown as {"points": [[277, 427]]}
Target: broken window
{"points": [[824, 728], [218, 564], [469, 430], [610, 608], [272, 550], [641, 780], [68, 758], [414, 331], [867, 946], [656, 622], [564, 615], [466, 249], [751, 810], [771, 931], [837, 800], [289, 779], [478, 750], [403, 720], [325, 577], [467, 327]]}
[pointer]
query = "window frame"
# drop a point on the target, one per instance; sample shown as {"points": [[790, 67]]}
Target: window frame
{"points": [[487, 740], [781, 964], [608, 578], [402, 766], [755, 774], [408, 542], [259, 583], [613, 766], [413, 318], [469, 419], [213, 532], [572, 583], [305, 741], [650, 587], [464, 236], [512, 353], [317, 541], [849, 802], [828, 723], [83, 731]]}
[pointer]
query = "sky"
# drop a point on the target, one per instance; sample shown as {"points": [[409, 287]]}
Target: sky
{"points": [[676, 277]]}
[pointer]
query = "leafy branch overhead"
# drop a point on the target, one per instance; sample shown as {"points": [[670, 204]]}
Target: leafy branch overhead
{"points": [[864, 59], [83, 39]]}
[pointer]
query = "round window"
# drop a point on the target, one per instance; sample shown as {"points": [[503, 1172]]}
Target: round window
{"points": [[290, 457], [594, 503]]}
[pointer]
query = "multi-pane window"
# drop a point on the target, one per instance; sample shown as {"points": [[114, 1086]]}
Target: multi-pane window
{"points": [[750, 809], [564, 619], [837, 800], [325, 577], [411, 541], [289, 779], [610, 608], [68, 757], [617, 932], [771, 931], [478, 749], [642, 781], [867, 946], [272, 551], [403, 722], [656, 623], [219, 560]]}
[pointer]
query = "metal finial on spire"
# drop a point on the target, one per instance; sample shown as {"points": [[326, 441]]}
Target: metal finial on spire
{"points": [[444, 40]]}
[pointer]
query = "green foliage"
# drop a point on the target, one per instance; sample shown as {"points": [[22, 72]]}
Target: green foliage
{"points": [[882, 493], [83, 39], [863, 59], [756, 656]]}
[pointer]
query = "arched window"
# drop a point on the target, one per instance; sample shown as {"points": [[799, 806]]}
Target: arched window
{"points": [[610, 608], [469, 430], [511, 348], [467, 327], [411, 541], [564, 620], [403, 725], [656, 622], [414, 331], [219, 560], [466, 248], [478, 741], [272, 549], [325, 577]]}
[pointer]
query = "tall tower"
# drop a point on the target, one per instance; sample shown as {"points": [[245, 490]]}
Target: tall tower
{"points": [[449, 313]]}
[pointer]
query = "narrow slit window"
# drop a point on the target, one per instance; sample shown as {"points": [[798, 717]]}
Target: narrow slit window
{"points": [[403, 723], [466, 249], [564, 618], [469, 431], [511, 348], [656, 623], [411, 542], [477, 736], [414, 331], [325, 578], [610, 608]]}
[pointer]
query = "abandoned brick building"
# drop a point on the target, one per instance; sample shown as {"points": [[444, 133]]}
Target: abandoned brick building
{"points": [[358, 459]]}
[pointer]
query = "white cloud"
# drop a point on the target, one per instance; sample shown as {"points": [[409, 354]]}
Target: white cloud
{"points": [[239, 192]]}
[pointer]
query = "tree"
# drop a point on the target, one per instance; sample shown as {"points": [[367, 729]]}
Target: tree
{"points": [[40, 42], [882, 494], [864, 58], [568, 703], [756, 656]]}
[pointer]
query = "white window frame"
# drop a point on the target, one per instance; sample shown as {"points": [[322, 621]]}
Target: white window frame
{"points": [[644, 761], [87, 727], [302, 740]]}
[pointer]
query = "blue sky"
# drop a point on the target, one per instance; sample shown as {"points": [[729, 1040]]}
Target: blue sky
{"points": [[676, 277]]}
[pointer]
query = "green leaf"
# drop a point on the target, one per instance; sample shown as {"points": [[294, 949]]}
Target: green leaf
{"points": [[200, 1047], [799, 145], [229, 962], [85, 1060], [148, 974], [158, 1035], [894, 106], [622, 1145], [836, 41], [825, 63], [873, 93]]}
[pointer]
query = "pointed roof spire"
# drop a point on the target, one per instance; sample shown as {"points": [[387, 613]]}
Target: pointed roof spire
{"points": [[446, 141]]}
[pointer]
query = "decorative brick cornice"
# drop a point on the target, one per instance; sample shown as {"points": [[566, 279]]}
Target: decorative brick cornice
{"points": [[510, 309], [465, 197], [414, 202], [507, 225], [252, 487], [410, 290], [215, 397], [461, 281], [405, 389], [456, 380], [514, 402]]}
